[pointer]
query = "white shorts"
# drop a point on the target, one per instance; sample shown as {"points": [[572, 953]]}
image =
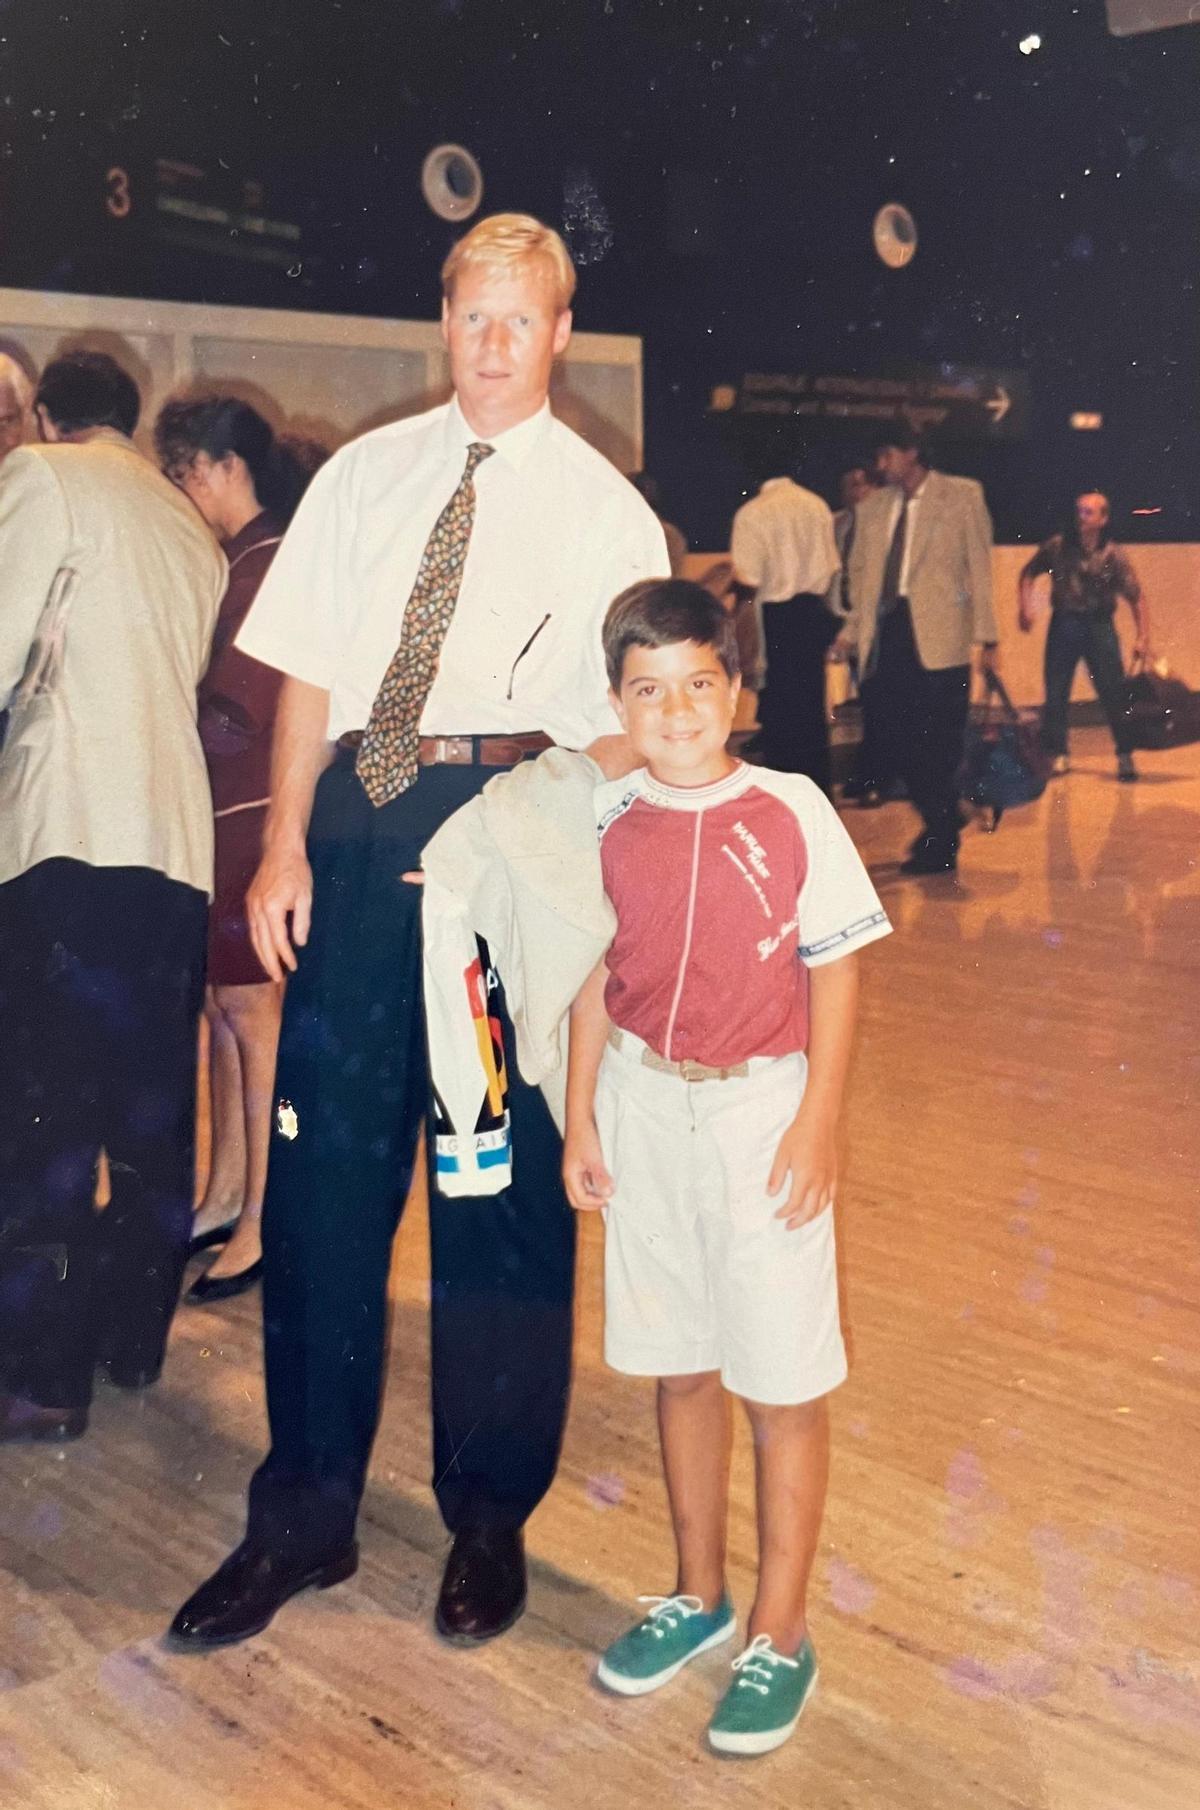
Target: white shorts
{"points": [[698, 1272]]}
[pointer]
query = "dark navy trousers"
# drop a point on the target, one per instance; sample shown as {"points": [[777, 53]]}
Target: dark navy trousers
{"points": [[791, 709], [353, 1087], [1074, 636], [920, 718]]}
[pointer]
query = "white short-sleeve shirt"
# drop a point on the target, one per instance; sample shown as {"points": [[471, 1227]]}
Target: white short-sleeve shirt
{"points": [[558, 532], [782, 542]]}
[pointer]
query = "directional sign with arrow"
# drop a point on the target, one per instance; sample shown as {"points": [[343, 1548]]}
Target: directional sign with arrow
{"points": [[958, 402], [998, 405]]}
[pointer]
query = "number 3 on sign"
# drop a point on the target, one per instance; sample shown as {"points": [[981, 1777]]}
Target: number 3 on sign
{"points": [[117, 199]]}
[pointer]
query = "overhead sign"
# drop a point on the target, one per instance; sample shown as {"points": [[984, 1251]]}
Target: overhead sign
{"points": [[217, 212], [962, 402]]}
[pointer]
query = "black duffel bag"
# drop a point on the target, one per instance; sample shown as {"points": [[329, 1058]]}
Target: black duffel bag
{"points": [[1161, 710]]}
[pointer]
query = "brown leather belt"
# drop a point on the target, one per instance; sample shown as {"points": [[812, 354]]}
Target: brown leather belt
{"points": [[466, 750]]}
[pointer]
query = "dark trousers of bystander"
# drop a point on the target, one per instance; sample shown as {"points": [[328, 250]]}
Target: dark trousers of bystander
{"points": [[872, 771], [354, 1091], [1074, 636], [101, 984], [921, 719], [791, 709]]}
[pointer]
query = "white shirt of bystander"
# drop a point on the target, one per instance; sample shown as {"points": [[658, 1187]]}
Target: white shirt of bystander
{"points": [[782, 542]]}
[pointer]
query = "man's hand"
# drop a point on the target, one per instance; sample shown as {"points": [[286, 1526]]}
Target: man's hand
{"points": [[614, 755], [807, 1154], [282, 885], [587, 1181]]}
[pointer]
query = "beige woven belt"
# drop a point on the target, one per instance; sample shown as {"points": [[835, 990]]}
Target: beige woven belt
{"points": [[687, 1070]]}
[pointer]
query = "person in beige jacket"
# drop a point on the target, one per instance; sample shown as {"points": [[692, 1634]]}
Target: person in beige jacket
{"points": [[109, 588], [919, 580]]}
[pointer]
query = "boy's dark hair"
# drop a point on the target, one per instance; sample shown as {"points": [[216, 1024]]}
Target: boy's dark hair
{"points": [[89, 389], [659, 612]]}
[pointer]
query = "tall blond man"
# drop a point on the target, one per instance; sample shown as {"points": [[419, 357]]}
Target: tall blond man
{"points": [[437, 608]]}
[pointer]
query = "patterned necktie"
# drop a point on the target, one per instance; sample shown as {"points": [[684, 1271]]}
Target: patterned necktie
{"points": [[387, 756], [889, 593]]}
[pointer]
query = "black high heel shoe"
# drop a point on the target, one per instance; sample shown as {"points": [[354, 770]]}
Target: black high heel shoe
{"points": [[204, 1241], [223, 1288]]}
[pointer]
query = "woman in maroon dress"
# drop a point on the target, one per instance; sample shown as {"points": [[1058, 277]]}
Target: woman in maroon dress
{"points": [[246, 484]]}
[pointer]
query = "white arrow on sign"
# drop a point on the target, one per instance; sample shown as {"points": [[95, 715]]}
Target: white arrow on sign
{"points": [[998, 405]]}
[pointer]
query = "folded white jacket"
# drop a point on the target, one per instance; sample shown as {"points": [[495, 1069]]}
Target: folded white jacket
{"points": [[518, 866]]}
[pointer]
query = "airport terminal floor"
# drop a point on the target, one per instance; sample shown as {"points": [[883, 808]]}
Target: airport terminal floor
{"points": [[1008, 1585]]}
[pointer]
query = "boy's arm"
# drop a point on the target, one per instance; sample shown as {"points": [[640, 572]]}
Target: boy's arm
{"points": [[807, 1154], [587, 1181]]}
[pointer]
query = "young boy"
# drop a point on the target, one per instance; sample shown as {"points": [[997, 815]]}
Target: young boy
{"points": [[707, 1061]]}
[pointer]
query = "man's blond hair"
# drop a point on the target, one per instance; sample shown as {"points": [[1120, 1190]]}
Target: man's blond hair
{"points": [[508, 242]]}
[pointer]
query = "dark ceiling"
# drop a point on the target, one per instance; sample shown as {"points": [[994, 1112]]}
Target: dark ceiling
{"points": [[716, 168]]}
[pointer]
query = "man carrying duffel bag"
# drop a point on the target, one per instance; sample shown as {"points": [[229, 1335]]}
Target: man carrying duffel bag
{"points": [[1088, 574]]}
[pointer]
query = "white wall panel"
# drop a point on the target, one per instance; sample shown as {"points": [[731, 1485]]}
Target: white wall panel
{"points": [[328, 376]]}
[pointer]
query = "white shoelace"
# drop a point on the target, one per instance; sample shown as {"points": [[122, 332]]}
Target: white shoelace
{"points": [[757, 1661], [668, 1611]]}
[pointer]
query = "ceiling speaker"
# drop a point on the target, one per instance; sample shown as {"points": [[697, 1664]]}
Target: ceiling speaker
{"points": [[451, 182], [894, 233]]}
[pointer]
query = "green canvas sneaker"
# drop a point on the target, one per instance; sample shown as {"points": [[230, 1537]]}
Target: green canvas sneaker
{"points": [[676, 1630], [763, 1704]]}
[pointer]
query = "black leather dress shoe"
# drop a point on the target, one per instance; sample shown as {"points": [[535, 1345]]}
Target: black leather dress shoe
{"points": [[22, 1419], [242, 1595], [930, 862], [869, 799], [483, 1587], [223, 1288]]}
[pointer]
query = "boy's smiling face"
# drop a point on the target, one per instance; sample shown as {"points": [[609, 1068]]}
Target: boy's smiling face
{"points": [[677, 704]]}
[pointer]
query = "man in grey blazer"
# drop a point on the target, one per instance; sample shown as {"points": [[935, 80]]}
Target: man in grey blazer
{"points": [[920, 591]]}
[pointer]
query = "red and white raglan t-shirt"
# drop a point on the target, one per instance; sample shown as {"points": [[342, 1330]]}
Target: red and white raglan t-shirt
{"points": [[726, 895]]}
